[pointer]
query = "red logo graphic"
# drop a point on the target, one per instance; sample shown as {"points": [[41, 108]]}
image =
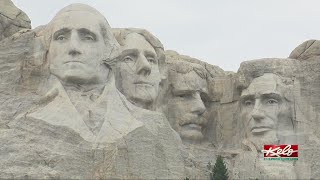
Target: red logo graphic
{"points": [[280, 151]]}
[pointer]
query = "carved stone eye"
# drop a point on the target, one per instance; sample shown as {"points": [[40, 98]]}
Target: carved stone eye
{"points": [[248, 103], [127, 59], [61, 38], [151, 60], [89, 38], [272, 102], [184, 95]]}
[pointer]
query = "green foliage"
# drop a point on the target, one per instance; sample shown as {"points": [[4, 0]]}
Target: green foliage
{"points": [[219, 171]]}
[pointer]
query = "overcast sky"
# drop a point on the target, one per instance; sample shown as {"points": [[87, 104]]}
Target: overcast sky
{"points": [[222, 33]]}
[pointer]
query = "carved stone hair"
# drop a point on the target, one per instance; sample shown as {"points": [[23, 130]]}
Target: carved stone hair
{"points": [[38, 63], [105, 29], [184, 67], [121, 34], [284, 68]]}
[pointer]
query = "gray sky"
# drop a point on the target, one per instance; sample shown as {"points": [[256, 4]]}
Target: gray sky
{"points": [[222, 33]]}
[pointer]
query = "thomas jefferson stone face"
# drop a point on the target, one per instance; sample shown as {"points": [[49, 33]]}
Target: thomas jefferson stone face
{"points": [[76, 49], [264, 109], [186, 106], [138, 72]]}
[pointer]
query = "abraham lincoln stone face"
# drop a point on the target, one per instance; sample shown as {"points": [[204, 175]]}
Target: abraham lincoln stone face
{"points": [[265, 109]]}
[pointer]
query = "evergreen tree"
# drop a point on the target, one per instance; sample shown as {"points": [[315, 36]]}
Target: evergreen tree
{"points": [[219, 171]]}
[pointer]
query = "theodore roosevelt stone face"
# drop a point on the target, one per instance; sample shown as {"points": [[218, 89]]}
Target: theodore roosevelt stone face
{"points": [[186, 104]]}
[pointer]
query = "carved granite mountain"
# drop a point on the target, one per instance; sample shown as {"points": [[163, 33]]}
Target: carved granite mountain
{"points": [[81, 100], [58, 124], [275, 108]]}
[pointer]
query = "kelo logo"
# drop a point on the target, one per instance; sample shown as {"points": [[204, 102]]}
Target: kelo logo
{"points": [[280, 152]]}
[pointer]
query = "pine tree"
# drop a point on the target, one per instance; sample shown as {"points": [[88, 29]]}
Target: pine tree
{"points": [[219, 171]]}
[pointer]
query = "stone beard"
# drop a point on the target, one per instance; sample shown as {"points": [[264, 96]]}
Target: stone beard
{"points": [[266, 110], [186, 102]]}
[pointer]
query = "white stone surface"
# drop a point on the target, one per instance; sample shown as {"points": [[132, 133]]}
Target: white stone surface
{"points": [[12, 19], [74, 123], [81, 100]]}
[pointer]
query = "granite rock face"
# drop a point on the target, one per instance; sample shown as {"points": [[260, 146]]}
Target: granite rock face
{"points": [[62, 116], [195, 99], [140, 68], [274, 109], [82, 100], [308, 50], [12, 19]]}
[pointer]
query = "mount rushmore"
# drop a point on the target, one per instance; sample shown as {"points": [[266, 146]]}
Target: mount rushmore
{"points": [[82, 100]]}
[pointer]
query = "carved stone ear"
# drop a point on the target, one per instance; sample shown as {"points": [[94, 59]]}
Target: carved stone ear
{"points": [[34, 63], [241, 82], [40, 51]]}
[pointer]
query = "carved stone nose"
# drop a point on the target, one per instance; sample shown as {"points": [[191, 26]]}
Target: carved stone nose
{"points": [[199, 107], [143, 66], [74, 52], [257, 115]]}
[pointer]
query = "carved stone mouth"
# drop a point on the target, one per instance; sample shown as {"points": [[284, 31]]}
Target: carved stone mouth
{"points": [[73, 62], [192, 126], [143, 83], [260, 129]]}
